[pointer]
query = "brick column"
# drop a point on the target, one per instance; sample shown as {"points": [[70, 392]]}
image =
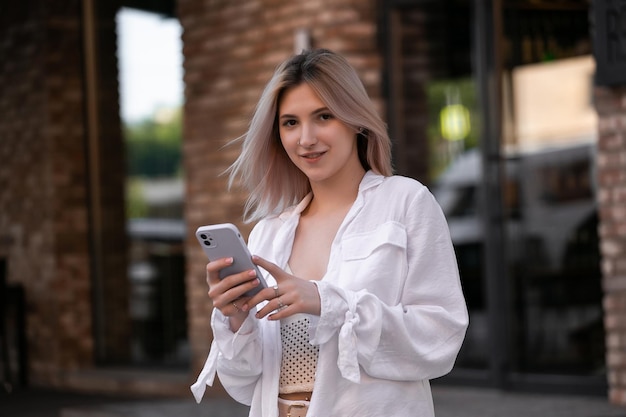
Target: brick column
{"points": [[45, 186], [611, 158], [42, 198]]}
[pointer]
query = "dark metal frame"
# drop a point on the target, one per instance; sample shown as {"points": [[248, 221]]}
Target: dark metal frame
{"points": [[609, 42]]}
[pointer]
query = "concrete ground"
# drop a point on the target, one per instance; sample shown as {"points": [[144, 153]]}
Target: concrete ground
{"points": [[449, 402]]}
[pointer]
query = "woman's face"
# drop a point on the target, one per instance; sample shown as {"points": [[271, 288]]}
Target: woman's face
{"points": [[320, 145]]}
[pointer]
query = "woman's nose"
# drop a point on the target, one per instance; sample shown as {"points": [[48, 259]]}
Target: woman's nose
{"points": [[308, 136]]}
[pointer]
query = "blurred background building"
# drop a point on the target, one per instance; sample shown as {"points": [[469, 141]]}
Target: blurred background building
{"points": [[513, 112]]}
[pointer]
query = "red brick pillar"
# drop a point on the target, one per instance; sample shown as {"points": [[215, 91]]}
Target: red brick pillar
{"points": [[42, 197], [45, 185], [611, 158]]}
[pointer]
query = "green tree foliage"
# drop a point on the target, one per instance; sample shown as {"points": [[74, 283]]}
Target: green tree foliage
{"points": [[136, 206], [153, 146]]}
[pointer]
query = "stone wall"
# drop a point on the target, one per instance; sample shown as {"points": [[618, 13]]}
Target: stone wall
{"points": [[611, 158]]}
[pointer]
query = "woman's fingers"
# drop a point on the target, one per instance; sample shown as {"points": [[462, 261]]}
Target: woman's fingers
{"points": [[227, 293], [299, 296], [270, 267], [213, 278], [213, 269], [291, 295], [271, 292], [280, 306]]}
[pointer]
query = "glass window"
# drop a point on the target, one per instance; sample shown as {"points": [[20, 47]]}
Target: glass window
{"points": [[549, 296], [551, 224]]}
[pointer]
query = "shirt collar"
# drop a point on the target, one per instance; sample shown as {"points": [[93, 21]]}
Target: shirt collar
{"points": [[369, 180]]}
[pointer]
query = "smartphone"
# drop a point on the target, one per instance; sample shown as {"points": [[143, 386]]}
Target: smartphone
{"points": [[223, 241]]}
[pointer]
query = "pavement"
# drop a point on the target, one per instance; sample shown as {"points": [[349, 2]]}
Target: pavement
{"points": [[450, 401]]}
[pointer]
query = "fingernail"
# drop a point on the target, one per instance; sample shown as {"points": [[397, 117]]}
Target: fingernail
{"points": [[244, 307], [252, 273], [229, 260]]}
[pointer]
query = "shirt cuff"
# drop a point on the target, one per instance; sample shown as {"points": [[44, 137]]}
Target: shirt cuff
{"points": [[227, 343], [339, 314], [231, 343]]}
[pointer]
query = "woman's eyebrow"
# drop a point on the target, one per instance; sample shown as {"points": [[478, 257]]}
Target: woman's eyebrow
{"points": [[292, 116], [316, 111], [321, 110]]}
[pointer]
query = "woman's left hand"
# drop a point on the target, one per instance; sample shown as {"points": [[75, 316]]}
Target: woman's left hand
{"points": [[291, 295]]}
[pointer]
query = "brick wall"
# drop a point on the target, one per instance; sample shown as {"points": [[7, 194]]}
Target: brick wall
{"points": [[420, 34], [231, 49], [44, 192], [611, 158], [42, 207]]}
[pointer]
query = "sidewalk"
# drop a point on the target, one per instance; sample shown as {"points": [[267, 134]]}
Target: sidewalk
{"points": [[449, 402], [479, 402]]}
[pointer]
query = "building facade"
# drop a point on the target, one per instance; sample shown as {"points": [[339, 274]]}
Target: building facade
{"points": [[493, 105]]}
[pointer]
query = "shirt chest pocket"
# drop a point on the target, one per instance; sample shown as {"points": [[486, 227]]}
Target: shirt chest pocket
{"points": [[375, 260]]}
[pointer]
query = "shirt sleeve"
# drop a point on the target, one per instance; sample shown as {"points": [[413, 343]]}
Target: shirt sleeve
{"points": [[235, 356], [417, 338]]}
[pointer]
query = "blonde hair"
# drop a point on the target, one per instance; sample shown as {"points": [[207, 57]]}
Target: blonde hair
{"points": [[265, 170]]}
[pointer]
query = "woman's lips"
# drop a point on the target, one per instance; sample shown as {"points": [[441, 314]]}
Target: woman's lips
{"points": [[312, 155]]}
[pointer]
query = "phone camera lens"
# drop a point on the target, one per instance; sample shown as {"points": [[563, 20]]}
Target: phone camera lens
{"points": [[206, 242], [203, 236]]}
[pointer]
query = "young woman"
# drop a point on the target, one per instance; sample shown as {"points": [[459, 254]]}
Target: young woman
{"points": [[364, 304]]}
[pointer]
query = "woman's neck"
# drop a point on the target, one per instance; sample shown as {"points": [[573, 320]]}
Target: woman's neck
{"points": [[329, 197]]}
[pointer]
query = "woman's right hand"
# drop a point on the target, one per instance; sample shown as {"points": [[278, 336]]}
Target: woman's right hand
{"points": [[227, 293]]}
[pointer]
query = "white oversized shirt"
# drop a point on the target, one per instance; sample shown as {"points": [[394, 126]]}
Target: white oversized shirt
{"points": [[393, 315]]}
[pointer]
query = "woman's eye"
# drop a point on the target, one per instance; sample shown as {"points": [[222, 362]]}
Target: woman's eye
{"points": [[289, 123], [326, 116]]}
